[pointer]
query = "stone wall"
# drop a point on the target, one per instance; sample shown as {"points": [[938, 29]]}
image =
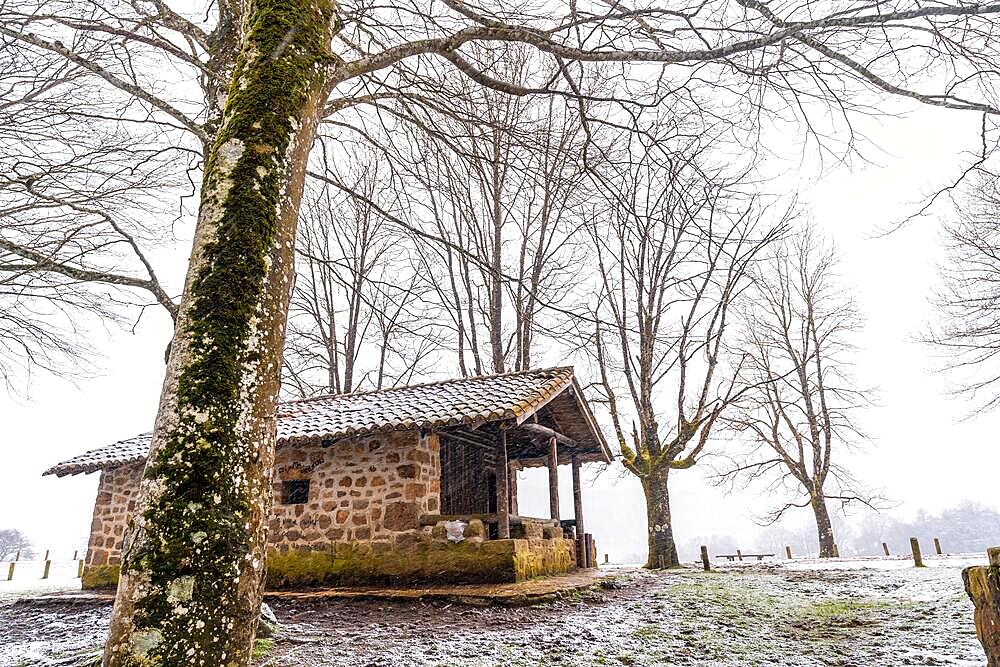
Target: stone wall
{"points": [[420, 558], [358, 523], [360, 489], [117, 492]]}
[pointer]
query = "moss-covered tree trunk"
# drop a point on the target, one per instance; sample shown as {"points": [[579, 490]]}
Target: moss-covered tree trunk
{"points": [[193, 562], [662, 550], [824, 527]]}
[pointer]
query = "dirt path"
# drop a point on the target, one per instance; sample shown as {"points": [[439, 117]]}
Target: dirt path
{"points": [[756, 615]]}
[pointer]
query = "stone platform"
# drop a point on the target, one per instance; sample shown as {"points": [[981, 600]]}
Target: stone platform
{"points": [[534, 591]]}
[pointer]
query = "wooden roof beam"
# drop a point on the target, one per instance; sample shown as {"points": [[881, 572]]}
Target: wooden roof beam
{"points": [[545, 432]]}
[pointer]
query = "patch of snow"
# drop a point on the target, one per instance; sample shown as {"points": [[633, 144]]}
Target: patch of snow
{"points": [[28, 582]]}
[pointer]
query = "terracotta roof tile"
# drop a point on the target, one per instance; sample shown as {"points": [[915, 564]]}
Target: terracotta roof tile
{"points": [[431, 406]]}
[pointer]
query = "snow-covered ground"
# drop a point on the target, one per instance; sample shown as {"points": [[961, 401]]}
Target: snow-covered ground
{"points": [[28, 582], [845, 612], [950, 561]]}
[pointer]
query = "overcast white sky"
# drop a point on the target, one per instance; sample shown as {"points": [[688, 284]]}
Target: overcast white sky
{"points": [[922, 456]]}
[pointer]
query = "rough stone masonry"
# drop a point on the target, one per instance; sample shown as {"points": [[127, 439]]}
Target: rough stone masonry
{"points": [[366, 489], [353, 516]]}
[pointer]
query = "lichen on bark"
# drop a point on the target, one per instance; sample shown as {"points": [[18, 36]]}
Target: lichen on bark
{"points": [[652, 462], [193, 565], [660, 538]]}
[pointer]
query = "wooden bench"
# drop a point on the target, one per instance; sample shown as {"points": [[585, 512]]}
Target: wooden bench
{"points": [[741, 556]]}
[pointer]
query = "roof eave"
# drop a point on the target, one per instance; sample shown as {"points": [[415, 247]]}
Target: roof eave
{"points": [[595, 430], [568, 382]]}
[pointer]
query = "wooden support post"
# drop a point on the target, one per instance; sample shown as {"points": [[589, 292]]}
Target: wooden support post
{"points": [[915, 548], [512, 477], [788, 553], [704, 558], [739, 554], [605, 559], [503, 490], [937, 546], [79, 569], [48, 565], [578, 512], [836, 551], [885, 548], [10, 571], [554, 479]]}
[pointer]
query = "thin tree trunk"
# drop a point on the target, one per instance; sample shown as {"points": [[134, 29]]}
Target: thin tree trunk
{"points": [[824, 527], [662, 550], [193, 562], [496, 282]]}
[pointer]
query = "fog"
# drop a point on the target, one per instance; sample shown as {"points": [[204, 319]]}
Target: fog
{"points": [[923, 456]]}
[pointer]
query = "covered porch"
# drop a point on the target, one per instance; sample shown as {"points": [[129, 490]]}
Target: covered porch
{"points": [[479, 464]]}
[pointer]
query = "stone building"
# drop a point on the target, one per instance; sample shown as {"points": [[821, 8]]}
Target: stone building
{"points": [[405, 485]]}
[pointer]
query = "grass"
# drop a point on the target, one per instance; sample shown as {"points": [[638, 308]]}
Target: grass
{"points": [[837, 618], [840, 609], [721, 608], [650, 633], [261, 647]]}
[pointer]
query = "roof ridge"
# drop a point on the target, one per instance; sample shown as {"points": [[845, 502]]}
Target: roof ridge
{"points": [[419, 385]]}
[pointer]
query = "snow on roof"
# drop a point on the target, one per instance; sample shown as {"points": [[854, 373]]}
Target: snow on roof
{"points": [[431, 406]]}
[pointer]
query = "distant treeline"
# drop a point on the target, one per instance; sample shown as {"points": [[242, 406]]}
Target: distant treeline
{"points": [[969, 527]]}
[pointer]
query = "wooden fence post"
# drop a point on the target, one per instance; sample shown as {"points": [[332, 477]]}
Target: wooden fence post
{"points": [[18, 556], [10, 571], [915, 548], [79, 569], [937, 546], [45, 574], [788, 552], [76, 554], [885, 548], [46, 555], [836, 551], [605, 559], [739, 554], [704, 558]]}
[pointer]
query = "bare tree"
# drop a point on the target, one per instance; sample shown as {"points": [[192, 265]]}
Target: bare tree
{"points": [[193, 562], [500, 181], [800, 405], [968, 300], [77, 197], [355, 318], [14, 542], [268, 72], [674, 249]]}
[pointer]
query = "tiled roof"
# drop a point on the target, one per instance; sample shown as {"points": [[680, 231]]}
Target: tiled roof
{"points": [[436, 405], [109, 456]]}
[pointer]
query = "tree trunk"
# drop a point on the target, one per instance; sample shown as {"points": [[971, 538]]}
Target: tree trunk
{"points": [[662, 550], [824, 527], [193, 561]]}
